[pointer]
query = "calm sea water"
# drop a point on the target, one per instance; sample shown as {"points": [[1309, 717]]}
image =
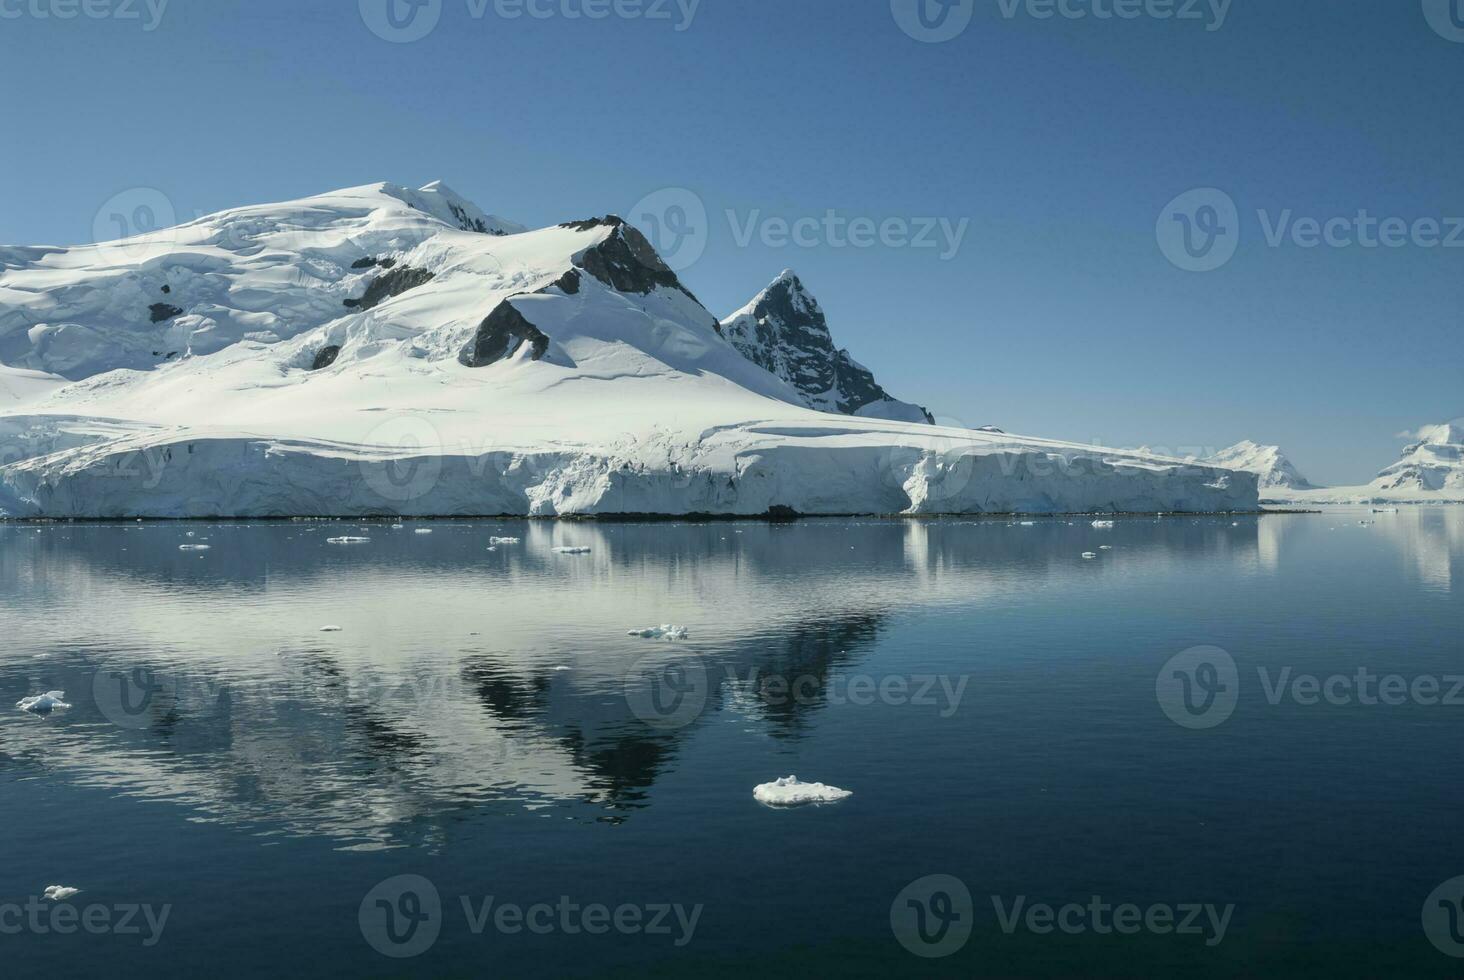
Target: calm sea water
{"points": [[1031, 727]]}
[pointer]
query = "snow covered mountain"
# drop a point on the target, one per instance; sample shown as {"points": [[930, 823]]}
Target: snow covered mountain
{"points": [[380, 350], [1434, 463], [1267, 462], [1430, 471], [783, 329]]}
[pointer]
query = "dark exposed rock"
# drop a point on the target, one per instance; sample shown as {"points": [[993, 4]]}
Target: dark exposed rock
{"points": [[569, 283], [371, 262], [390, 284], [782, 512], [500, 335], [787, 334], [468, 223], [167, 289], [325, 357], [163, 311]]}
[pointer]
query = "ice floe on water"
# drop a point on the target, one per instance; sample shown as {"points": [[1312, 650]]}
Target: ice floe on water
{"points": [[1103, 524], [330, 629], [1090, 554], [193, 547], [347, 540], [43, 704], [423, 530], [504, 540], [788, 791], [571, 551], [663, 632], [60, 893]]}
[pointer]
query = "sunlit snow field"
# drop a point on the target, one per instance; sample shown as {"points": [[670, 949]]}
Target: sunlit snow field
{"points": [[480, 717]]}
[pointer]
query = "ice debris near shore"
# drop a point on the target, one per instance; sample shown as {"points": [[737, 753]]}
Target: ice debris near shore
{"points": [[59, 893], [347, 540], [788, 791], [663, 632], [571, 551], [43, 704]]}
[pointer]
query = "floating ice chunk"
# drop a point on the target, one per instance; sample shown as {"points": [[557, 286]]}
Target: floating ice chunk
{"points": [[1029, 524], [571, 551], [330, 629], [492, 548], [788, 791], [397, 527], [193, 547], [43, 704], [1090, 554], [1103, 524], [1385, 510], [347, 540], [59, 893], [504, 540], [663, 632], [561, 668], [1105, 547], [423, 530]]}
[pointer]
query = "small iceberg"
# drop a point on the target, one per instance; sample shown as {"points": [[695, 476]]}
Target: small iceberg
{"points": [[43, 704], [504, 540], [193, 547], [571, 551], [59, 893], [1090, 554], [347, 540], [1105, 547], [423, 530], [663, 632], [788, 791], [1029, 524], [1103, 524], [330, 629]]}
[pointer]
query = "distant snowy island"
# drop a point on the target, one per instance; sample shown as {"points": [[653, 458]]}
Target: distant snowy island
{"points": [[382, 351]]}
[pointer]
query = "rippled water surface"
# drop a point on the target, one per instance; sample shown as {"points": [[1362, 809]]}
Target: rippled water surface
{"points": [[1007, 712]]}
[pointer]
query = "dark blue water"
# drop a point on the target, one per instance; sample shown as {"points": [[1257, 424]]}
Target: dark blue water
{"points": [[996, 702]]}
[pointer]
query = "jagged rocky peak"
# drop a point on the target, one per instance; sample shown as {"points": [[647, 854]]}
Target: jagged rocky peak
{"points": [[1267, 462], [784, 331], [1433, 461]]}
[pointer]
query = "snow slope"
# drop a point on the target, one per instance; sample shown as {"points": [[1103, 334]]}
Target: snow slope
{"points": [[1267, 462], [784, 330], [372, 351], [1429, 471]]}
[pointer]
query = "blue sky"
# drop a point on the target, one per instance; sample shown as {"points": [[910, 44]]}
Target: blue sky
{"points": [[1061, 141]]}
